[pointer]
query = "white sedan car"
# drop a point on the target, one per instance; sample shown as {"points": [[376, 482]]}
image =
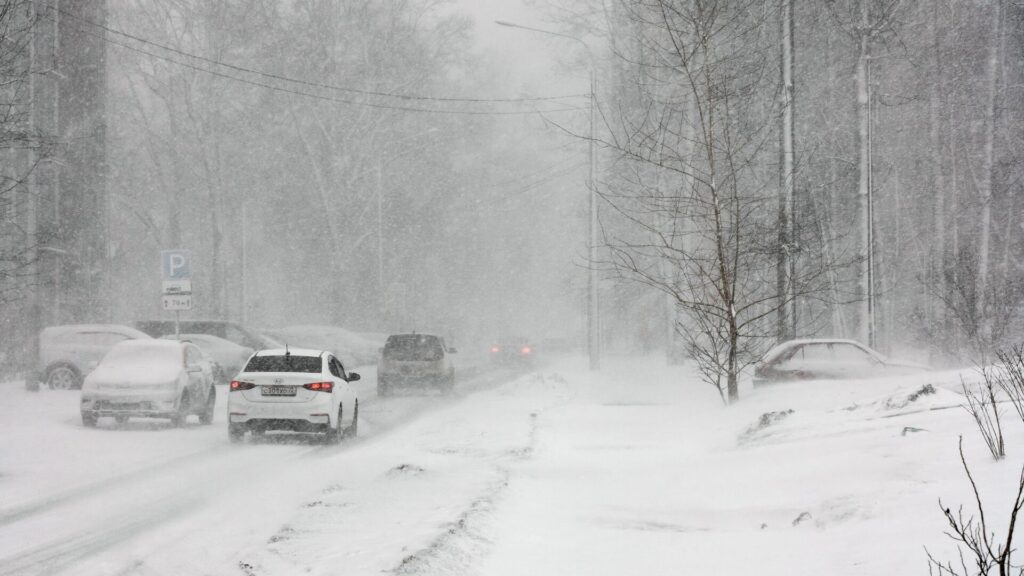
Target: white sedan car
{"points": [[296, 391], [151, 378]]}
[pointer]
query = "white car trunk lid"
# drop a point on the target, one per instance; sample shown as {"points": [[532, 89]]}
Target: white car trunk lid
{"points": [[279, 386]]}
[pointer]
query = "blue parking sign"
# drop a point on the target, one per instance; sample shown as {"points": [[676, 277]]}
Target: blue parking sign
{"points": [[175, 264]]}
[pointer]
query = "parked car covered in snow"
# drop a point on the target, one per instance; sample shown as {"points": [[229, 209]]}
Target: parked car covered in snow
{"points": [[226, 329], [68, 353], [826, 359], [415, 360], [228, 357], [151, 378], [293, 390]]}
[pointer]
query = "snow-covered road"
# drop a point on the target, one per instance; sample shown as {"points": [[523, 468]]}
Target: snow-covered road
{"points": [[636, 470], [149, 498]]}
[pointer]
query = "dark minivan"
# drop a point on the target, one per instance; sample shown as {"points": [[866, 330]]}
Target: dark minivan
{"points": [[415, 360]]}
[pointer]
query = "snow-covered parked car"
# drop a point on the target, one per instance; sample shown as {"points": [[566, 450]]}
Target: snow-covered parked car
{"points": [[68, 353], [228, 357], [226, 329], [826, 359], [415, 360], [294, 390], [150, 378]]}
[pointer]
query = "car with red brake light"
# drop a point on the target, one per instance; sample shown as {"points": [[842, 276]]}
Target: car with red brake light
{"points": [[293, 390], [517, 352]]}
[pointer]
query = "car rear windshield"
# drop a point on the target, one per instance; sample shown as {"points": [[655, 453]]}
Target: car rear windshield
{"points": [[285, 363], [414, 347]]}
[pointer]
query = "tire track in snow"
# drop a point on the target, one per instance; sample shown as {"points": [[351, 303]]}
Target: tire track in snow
{"points": [[65, 550], [98, 487], [56, 555]]}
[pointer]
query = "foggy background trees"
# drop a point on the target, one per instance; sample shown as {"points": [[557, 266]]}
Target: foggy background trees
{"points": [[906, 208], [363, 164]]}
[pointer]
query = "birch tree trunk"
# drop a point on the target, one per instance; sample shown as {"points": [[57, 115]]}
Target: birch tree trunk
{"points": [[784, 283], [986, 183], [937, 276], [864, 324]]}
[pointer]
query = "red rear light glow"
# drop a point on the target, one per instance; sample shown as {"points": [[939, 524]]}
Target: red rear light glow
{"points": [[526, 350], [236, 385], [495, 349], [320, 386]]}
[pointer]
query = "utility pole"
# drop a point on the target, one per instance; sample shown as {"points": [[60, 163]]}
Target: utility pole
{"points": [[865, 314], [786, 265], [593, 294]]}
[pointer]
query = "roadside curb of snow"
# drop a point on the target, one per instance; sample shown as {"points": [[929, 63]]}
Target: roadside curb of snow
{"points": [[467, 539]]}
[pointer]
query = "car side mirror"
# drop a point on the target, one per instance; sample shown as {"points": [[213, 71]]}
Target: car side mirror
{"points": [[195, 368], [453, 351], [354, 377]]}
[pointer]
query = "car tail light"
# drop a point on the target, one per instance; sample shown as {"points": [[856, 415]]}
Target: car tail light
{"points": [[237, 385], [320, 386], [495, 349], [526, 350]]}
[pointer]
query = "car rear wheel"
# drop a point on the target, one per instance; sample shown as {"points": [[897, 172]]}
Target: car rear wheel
{"points": [[236, 433], [206, 416], [333, 435], [181, 416], [89, 419], [62, 378], [121, 419], [353, 430]]}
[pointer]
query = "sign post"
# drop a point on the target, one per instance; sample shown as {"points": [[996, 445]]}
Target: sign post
{"points": [[176, 269]]}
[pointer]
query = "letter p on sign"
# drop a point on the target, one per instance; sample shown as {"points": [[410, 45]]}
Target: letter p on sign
{"points": [[175, 264]]}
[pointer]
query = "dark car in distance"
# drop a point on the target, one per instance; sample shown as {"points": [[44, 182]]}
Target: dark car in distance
{"points": [[514, 352], [415, 361]]}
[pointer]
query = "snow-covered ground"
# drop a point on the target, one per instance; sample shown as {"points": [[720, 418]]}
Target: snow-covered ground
{"points": [[636, 470]]}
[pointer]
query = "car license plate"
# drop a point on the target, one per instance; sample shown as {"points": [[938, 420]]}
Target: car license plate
{"points": [[277, 390]]}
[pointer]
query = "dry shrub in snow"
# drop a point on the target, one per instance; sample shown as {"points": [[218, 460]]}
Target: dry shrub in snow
{"points": [[1012, 376], [976, 541], [983, 406]]}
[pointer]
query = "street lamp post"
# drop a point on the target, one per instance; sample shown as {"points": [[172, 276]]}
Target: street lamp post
{"points": [[593, 302]]}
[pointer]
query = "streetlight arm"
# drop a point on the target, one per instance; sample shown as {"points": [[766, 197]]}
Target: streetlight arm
{"points": [[593, 294]]}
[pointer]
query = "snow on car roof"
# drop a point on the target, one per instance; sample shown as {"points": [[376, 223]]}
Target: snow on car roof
{"points": [[292, 351], [779, 348], [74, 328], [151, 350]]}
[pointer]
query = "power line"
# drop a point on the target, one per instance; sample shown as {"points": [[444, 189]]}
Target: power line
{"points": [[307, 82], [321, 96]]}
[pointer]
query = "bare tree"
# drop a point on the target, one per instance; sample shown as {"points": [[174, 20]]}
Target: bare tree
{"points": [[23, 148], [694, 183], [985, 552]]}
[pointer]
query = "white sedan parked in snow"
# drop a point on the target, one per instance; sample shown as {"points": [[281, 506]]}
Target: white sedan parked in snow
{"points": [[293, 390], [152, 378], [826, 359]]}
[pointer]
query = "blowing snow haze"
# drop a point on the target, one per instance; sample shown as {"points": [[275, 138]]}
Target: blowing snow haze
{"points": [[595, 218]]}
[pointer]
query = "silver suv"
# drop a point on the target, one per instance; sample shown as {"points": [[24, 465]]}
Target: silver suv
{"points": [[68, 353], [415, 360]]}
